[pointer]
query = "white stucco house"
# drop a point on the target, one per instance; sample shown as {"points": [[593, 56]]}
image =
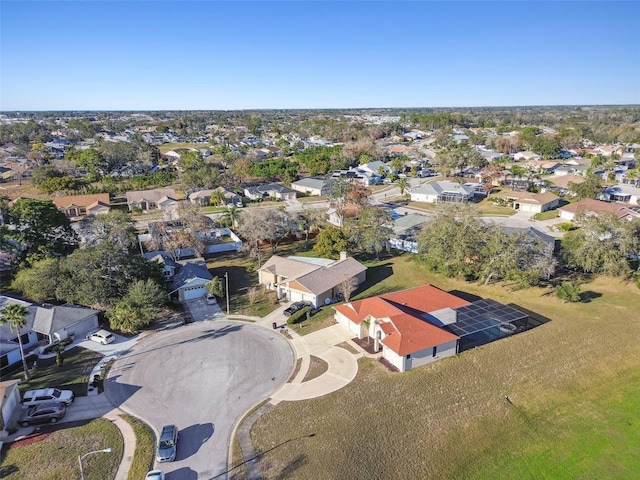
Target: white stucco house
{"points": [[312, 186], [424, 324], [443, 192]]}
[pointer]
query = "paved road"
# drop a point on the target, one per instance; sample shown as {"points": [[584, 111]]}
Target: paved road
{"points": [[202, 377]]}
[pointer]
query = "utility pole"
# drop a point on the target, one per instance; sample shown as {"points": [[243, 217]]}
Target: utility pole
{"points": [[226, 278]]}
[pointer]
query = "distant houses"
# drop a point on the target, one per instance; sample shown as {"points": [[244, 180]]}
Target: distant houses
{"points": [[271, 190]]}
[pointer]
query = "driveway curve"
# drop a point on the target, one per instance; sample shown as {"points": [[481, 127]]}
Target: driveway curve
{"points": [[201, 377]]}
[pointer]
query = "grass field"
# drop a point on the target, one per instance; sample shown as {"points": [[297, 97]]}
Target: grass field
{"points": [[56, 456], [559, 401], [73, 374]]}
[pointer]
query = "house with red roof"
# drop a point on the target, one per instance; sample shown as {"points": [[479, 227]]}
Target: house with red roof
{"points": [[423, 324]]}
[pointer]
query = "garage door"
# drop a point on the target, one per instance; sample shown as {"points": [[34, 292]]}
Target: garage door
{"points": [[296, 296], [194, 292]]}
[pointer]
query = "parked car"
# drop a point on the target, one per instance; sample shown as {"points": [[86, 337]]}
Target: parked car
{"points": [[294, 307], [102, 336], [48, 412], [45, 395], [211, 299], [155, 475], [168, 444]]}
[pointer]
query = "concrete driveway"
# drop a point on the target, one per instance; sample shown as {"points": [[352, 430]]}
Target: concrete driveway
{"points": [[201, 377], [201, 311]]}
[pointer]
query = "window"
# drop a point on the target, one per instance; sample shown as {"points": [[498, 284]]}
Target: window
{"points": [[408, 356], [435, 351]]}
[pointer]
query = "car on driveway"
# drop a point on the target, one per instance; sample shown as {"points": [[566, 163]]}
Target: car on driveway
{"points": [[49, 412], [294, 307], [168, 444], [211, 299], [102, 336], [155, 475], [43, 395]]}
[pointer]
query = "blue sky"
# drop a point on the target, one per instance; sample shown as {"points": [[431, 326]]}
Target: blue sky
{"points": [[157, 55]]}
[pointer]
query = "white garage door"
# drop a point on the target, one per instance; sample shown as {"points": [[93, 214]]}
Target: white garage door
{"points": [[193, 292], [296, 296]]}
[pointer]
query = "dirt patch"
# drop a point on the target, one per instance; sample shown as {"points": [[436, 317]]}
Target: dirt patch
{"points": [[316, 368], [295, 370], [387, 364], [367, 344], [348, 347]]}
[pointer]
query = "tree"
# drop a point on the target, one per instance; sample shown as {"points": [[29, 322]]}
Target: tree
{"points": [[403, 185], [569, 292], [39, 282], [43, 229], [217, 198], [590, 188], [602, 244], [264, 224], [347, 287], [309, 221], [215, 286], [451, 244], [114, 228], [330, 242], [370, 231], [15, 314], [142, 303]]}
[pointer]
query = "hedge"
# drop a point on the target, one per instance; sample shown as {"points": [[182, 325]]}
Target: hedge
{"points": [[299, 316]]}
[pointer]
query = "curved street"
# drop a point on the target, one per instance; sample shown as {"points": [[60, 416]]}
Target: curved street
{"points": [[201, 377]]}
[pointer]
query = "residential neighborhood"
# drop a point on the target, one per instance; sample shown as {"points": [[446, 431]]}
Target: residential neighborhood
{"points": [[270, 266]]}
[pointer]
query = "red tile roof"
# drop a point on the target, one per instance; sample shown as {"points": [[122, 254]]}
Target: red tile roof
{"points": [[412, 335], [426, 298], [405, 331]]}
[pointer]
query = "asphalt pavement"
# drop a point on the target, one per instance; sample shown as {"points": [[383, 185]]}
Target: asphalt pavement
{"points": [[201, 377]]}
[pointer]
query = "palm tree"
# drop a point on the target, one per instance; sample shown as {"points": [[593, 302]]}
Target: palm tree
{"points": [[15, 315], [231, 217], [403, 185], [217, 197]]}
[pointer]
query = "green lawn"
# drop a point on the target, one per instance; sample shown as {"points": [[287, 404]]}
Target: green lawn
{"points": [[572, 384], [145, 449], [73, 374], [548, 215], [56, 456]]}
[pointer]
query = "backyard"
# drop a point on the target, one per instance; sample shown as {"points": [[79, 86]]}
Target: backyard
{"points": [[558, 401]]}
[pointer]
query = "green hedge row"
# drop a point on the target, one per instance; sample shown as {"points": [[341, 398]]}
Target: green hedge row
{"points": [[299, 316]]}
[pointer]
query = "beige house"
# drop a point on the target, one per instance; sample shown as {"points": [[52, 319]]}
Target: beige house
{"points": [[531, 202], [568, 212], [149, 200], [74, 206], [316, 280]]}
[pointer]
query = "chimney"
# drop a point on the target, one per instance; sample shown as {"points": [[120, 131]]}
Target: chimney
{"points": [[343, 255]]}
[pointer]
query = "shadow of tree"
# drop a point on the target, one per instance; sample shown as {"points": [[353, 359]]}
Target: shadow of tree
{"points": [[469, 297], [192, 438], [7, 470], [184, 473], [295, 464], [588, 296]]}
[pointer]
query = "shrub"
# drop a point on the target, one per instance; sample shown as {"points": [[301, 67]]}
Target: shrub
{"points": [[299, 316], [569, 292], [566, 227]]}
